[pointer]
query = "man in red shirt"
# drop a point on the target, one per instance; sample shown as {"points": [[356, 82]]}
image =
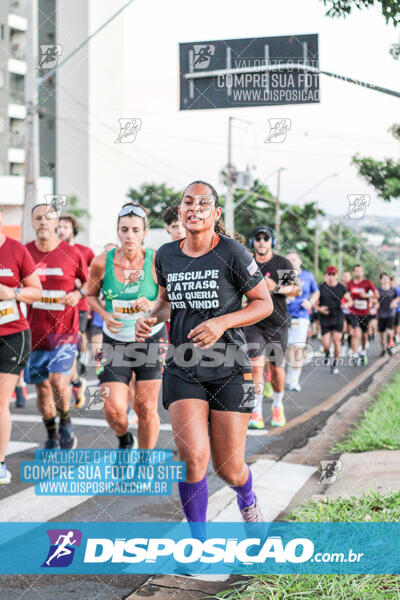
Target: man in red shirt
{"points": [[361, 291], [54, 324], [67, 230], [18, 283]]}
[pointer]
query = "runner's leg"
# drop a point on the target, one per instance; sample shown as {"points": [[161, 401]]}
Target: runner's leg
{"points": [[189, 419], [146, 408], [7, 385]]}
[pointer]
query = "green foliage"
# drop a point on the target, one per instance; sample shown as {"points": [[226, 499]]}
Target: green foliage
{"points": [[380, 426], [341, 8], [74, 209], [384, 176], [156, 198]]}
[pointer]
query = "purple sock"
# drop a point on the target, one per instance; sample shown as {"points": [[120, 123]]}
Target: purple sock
{"points": [[194, 499], [245, 494]]}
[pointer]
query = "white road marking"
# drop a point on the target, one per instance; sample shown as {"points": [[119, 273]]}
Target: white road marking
{"points": [[14, 447], [275, 484], [27, 506]]}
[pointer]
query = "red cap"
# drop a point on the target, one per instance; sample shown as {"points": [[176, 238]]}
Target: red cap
{"points": [[331, 270]]}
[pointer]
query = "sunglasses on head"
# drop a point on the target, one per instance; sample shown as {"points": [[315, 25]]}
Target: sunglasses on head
{"points": [[132, 210]]}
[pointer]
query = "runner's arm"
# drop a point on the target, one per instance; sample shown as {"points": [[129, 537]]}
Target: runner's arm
{"points": [[347, 296], [159, 314], [29, 293], [259, 307], [94, 283], [162, 306]]}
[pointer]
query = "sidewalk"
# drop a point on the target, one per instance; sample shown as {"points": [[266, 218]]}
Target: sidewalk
{"points": [[363, 472]]}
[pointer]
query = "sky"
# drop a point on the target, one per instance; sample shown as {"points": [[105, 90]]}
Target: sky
{"points": [[178, 146]]}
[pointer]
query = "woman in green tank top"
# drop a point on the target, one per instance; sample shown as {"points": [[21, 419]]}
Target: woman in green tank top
{"points": [[127, 279]]}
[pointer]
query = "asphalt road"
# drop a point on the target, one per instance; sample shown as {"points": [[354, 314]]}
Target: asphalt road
{"points": [[318, 384]]}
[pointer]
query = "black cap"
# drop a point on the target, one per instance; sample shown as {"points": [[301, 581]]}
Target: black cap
{"points": [[263, 229]]}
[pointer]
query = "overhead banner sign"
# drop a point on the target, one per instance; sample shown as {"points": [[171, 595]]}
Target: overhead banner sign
{"points": [[249, 72]]}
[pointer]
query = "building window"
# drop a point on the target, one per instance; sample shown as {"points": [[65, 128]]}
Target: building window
{"points": [[50, 123], [2, 29]]}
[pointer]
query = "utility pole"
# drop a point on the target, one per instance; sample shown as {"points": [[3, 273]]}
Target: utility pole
{"points": [[278, 208], [31, 121], [229, 208], [340, 253], [316, 242]]}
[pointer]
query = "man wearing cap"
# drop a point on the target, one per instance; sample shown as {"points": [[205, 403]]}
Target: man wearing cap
{"points": [[333, 297], [267, 340]]}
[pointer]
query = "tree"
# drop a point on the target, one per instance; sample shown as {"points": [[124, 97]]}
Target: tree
{"points": [[156, 198], [341, 8], [383, 175], [73, 208]]}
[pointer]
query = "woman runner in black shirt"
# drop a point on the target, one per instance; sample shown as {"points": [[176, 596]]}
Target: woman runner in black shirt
{"points": [[207, 380]]}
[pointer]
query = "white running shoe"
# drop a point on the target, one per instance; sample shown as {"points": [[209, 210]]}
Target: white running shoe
{"points": [[5, 475], [252, 513]]}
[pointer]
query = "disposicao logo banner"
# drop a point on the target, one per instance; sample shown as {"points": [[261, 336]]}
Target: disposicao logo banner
{"points": [[199, 548]]}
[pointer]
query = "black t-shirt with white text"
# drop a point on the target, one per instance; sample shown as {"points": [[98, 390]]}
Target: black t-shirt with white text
{"points": [[201, 288], [331, 296], [280, 270]]}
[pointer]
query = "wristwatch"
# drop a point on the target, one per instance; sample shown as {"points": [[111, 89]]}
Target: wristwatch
{"points": [[82, 293], [17, 292]]}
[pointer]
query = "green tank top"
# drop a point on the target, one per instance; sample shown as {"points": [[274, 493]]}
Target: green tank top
{"points": [[119, 297]]}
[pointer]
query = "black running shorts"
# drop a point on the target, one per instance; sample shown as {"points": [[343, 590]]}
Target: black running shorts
{"points": [[385, 323], [329, 324], [361, 321], [14, 351], [234, 393], [121, 359], [83, 320], [272, 343]]}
